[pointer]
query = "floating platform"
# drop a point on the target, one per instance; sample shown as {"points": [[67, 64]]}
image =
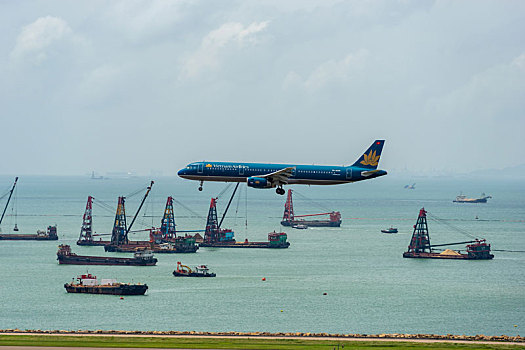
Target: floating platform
{"points": [[89, 284], [448, 254], [50, 235], [140, 258]]}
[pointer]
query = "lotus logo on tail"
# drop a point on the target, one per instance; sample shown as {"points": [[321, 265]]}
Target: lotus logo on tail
{"points": [[370, 159]]}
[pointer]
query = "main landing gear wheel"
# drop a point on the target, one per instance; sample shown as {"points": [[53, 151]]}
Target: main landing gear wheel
{"points": [[280, 191], [200, 186]]}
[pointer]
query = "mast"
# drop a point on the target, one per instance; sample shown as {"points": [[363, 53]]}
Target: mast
{"points": [[420, 242], [167, 227], [86, 232], [8, 199], [288, 208]]}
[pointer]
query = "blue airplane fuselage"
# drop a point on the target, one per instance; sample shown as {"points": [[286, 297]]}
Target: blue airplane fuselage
{"points": [[267, 175], [302, 174]]}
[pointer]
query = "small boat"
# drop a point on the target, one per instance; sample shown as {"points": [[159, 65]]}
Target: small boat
{"points": [[89, 284], [198, 271], [300, 226], [390, 230]]}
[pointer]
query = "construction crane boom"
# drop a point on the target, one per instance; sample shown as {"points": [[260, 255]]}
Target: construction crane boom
{"points": [[140, 207], [8, 199], [445, 244], [301, 216], [228, 206]]}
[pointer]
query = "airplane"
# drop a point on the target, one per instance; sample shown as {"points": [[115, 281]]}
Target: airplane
{"points": [[263, 175]]}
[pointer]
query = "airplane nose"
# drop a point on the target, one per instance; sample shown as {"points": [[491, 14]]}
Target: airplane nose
{"points": [[181, 172]]}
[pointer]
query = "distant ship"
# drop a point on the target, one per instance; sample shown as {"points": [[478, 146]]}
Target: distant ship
{"points": [[463, 199], [390, 230], [411, 187]]}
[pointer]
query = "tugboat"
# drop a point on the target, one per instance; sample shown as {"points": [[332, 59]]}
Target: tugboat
{"points": [[140, 258], [463, 199], [89, 284], [390, 230], [198, 271]]}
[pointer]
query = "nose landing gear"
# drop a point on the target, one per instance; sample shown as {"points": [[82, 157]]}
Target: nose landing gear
{"points": [[200, 186], [280, 190]]}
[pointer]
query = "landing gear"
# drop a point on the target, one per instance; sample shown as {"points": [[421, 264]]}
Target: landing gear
{"points": [[200, 186], [280, 190]]}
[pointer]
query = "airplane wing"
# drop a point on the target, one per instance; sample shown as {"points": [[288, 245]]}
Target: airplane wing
{"points": [[279, 176]]}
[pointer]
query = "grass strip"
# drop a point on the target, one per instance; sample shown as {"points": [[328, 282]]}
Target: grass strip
{"points": [[228, 343]]}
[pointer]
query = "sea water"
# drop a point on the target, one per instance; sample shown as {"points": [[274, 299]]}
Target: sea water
{"points": [[370, 288]]}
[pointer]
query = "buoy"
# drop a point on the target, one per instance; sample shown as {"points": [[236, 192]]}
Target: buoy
{"points": [[121, 298], [515, 325], [281, 310], [264, 278], [325, 293]]}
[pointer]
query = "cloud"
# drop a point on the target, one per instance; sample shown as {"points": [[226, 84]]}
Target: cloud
{"points": [[207, 57], [519, 62], [141, 20], [330, 72], [37, 38]]}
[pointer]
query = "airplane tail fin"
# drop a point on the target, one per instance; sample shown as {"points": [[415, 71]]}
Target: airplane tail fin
{"points": [[370, 159]]}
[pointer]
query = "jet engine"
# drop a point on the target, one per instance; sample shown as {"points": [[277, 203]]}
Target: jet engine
{"points": [[258, 182]]}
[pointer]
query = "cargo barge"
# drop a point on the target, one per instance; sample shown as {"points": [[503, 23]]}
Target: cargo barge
{"points": [[49, 235], [463, 199], [140, 258], [420, 246], [179, 245], [89, 284], [93, 242], [276, 240], [290, 219], [186, 271]]}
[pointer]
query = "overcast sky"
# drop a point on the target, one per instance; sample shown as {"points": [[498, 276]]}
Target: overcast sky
{"points": [[153, 85]]}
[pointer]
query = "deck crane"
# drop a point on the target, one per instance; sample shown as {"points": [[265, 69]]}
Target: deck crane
{"points": [[213, 232], [8, 199], [120, 232]]}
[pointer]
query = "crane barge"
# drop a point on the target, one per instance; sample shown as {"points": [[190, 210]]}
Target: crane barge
{"points": [[49, 235], [215, 236], [290, 219], [420, 246]]}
